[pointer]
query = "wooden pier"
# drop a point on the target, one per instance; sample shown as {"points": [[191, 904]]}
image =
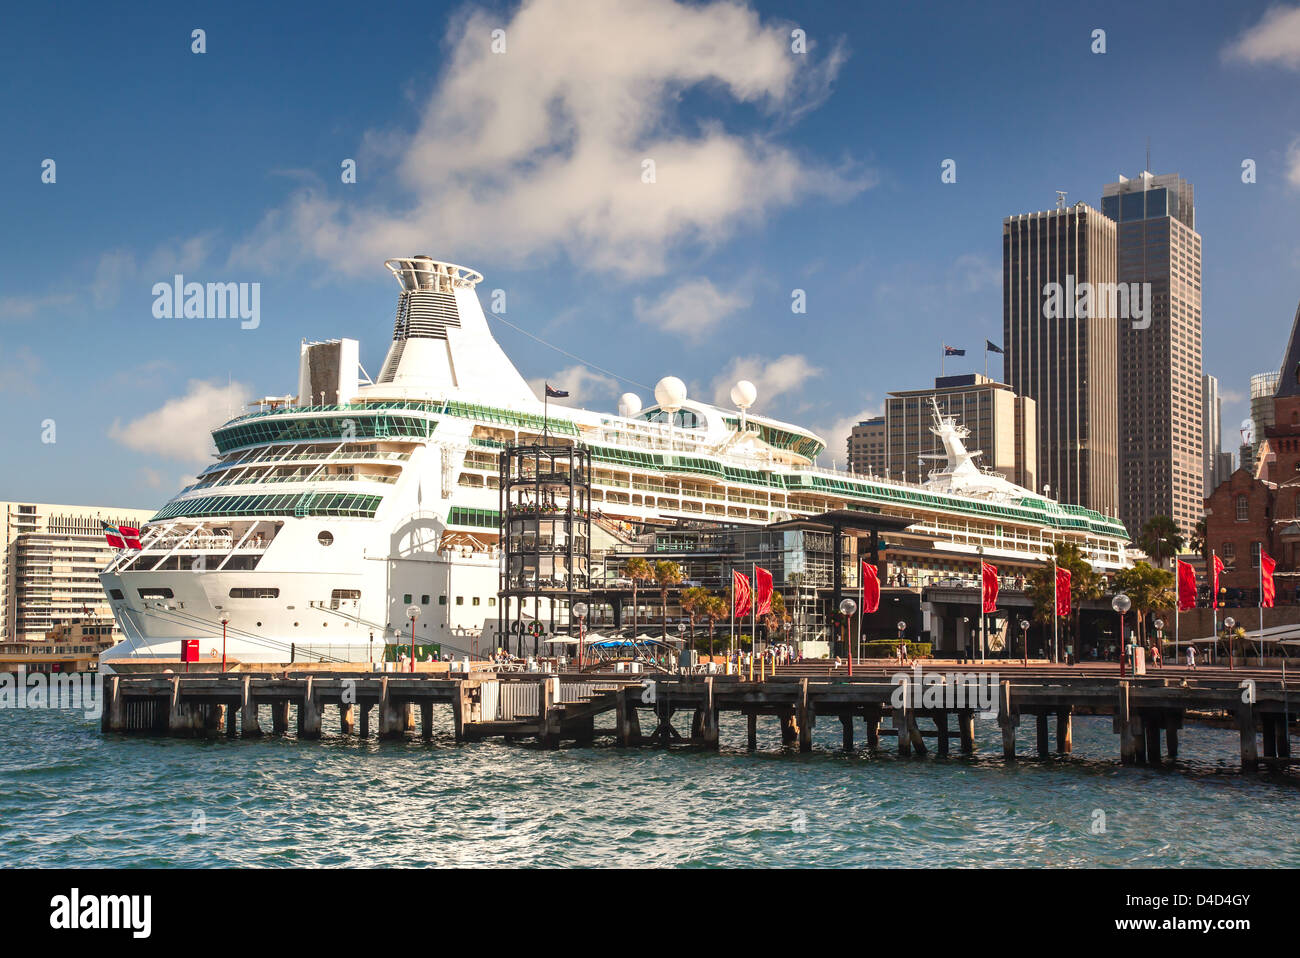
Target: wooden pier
{"points": [[658, 709]]}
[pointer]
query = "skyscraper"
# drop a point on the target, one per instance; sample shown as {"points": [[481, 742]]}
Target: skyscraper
{"points": [[1061, 346], [1211, 433], [1161, 440]]}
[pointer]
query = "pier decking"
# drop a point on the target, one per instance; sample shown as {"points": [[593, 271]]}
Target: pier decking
{"points": [[1148, 711]]}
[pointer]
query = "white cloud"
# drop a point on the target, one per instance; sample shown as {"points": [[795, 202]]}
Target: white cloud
{"points": [[181, 428], [539, 150], [772, 377], [1293, 163], [29, 307], [583, 385], [1275, 39], [837, 435], [691, 309]]}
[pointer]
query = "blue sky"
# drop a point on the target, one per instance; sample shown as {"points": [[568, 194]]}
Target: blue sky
{"points": [[774, 171]]}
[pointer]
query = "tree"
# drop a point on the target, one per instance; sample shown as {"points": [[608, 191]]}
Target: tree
{"points": [[638, 570], [1200, 543], [778, 618], [716, 608], [666, 575], [1160, 537], [1150, 589], [1085, 584], [695, 601]]}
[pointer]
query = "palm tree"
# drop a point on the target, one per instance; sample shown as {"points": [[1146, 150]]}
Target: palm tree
{"points": [[638, 570], [1150, 589], [695, 602], [1160, 537], [1085, 584], [1200, 542], [716, 608], [666, 575]]}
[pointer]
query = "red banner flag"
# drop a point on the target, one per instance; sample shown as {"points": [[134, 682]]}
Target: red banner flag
{"points": [[763, 586], [741, 594], [1214, 581], [870, 588], [1062, 591], [132, 536], [1267, 593], [1186, 586], [989, 575]]}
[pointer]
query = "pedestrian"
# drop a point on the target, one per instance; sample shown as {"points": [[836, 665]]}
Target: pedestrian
{"points": [[1191, 656]]}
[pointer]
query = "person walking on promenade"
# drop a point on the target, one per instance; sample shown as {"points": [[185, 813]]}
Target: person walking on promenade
{"points": [[1191, 656]]}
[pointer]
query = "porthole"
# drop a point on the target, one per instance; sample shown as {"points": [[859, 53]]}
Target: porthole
{"points": [[325, 538]]}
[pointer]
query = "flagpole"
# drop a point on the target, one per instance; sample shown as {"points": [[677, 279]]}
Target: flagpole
{"points": [[1261, 605], [1056, 606], [546, 410], [1214, 597], [753, 607], [862, 608], [732, 647]]}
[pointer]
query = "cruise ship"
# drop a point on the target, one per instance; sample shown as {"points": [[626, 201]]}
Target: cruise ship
{"points": [[328, 515]]}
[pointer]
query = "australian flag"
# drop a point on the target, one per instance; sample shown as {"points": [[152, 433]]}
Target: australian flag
{"points": [[553, 393], [991, 347], [953, 351]]}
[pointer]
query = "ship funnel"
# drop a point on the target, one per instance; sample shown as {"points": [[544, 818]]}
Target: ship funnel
{"points": [[441, 341]]}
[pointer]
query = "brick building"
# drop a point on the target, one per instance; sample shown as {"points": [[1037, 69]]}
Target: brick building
{"points": [[1247, 512]]}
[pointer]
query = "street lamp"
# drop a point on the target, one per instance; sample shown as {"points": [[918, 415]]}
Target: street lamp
{"points": [[580, 610], [1228, 623], [1024, 638], [412, 613], [1160, 640], [1121, 604], [970, 639], [847, 608]]}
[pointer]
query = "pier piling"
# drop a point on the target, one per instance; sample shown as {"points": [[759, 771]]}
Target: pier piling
{"points": [[567, 708], [1064, 731]]}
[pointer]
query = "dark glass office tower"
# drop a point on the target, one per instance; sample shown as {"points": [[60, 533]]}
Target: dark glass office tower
{"points": [[1161, 406], [1065, 360]]}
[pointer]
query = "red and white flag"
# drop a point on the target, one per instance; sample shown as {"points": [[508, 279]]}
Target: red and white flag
{"points": [[113, 535], [132, 536], [741, 594], [989, 576], [870, 588], [1186, 586], [1062, 591], [763, 586], [1267, 591]]}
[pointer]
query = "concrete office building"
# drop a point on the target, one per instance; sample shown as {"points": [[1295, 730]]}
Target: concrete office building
{"points": [[1061, 349], [866, 447], [49, 567], [1003, 426]]}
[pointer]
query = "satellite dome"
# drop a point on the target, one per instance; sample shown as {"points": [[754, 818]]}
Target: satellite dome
{"points": [[629, 404], [743, 394], [670, 392]]}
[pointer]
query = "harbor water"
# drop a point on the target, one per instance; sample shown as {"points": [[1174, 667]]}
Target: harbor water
{"points": [[72, 797]]}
